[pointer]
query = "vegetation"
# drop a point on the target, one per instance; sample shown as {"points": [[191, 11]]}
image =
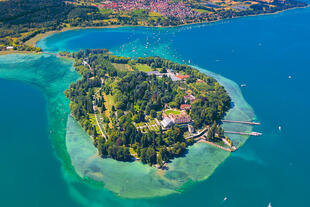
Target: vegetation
{"points": [[143, 67], [131, 126]]}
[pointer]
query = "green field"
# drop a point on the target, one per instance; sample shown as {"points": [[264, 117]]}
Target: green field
{"points": [[203, 87], [92, 119], [202, 10], [143, 67], [122, 67], [140, 124], [172, 111]]}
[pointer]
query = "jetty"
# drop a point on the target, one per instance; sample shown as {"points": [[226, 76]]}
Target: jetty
{"points": [[242, 122], [245, 133]]}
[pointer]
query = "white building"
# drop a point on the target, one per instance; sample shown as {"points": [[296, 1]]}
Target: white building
{"points": [[166, 122], [191, 129]]}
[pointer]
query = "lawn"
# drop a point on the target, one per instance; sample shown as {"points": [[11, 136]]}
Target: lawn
{"points": [[201, 87], [122, 67], [202, 11], [140, 124], [143, 67], [108, 103], [93, 121], [154, 14], [172, 111]]}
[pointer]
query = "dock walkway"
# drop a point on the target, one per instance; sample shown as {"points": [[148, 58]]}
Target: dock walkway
{"points": [[244, 133], [242, 122]]}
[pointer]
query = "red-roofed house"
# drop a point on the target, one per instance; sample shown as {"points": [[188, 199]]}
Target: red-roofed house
{"points": [[185, 107], [182, 76]]}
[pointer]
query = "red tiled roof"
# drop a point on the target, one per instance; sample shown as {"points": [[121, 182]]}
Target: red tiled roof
{"points": [[185, 106], [182, 76]]}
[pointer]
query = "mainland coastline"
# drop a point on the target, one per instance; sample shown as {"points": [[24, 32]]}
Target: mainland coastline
{"points": [[31, 43]]}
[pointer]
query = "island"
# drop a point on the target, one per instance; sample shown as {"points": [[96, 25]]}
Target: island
{"points": [[147, 109], [23, 22]]}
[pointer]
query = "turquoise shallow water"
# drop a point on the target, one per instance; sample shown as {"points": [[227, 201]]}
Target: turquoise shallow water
{"points": [[259, 51]]}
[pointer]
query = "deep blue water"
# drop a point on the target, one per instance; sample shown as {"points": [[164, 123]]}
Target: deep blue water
{"points": [[259, 51]]}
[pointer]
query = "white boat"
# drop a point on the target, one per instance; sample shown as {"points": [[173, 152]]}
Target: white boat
{"points": [[243, 85], [280, 128], [225, 198], [269, 205], [289, 77]]}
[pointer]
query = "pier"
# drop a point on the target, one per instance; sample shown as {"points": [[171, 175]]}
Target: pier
{"points": [[245, 133], [242, 122]]}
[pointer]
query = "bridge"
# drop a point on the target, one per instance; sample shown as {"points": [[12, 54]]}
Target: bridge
{"points": [[245, 133], [50, 53], [242, 122]]}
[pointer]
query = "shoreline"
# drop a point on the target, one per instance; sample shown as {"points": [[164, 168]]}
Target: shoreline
{"points": [[9, 52], [33, 41]]}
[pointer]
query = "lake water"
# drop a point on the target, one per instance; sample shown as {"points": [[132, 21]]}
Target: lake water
{"points": [[261, 52]]}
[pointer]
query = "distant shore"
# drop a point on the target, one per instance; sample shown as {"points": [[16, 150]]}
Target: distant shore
{"points": [[32, 42], [8, 52]]}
